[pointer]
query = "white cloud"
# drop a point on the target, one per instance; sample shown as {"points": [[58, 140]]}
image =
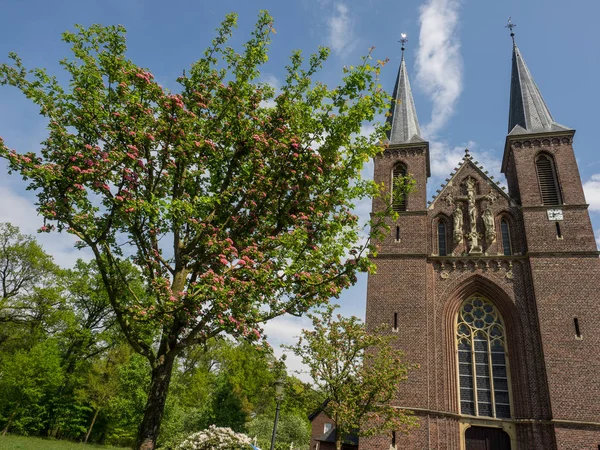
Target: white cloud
{"points": [[445, 158], [341, 34], [272, 81], [286, 330], [592, 192], [20, 211], [439, 62]]}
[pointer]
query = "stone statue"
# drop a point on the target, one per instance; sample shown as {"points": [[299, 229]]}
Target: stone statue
{"points": [[472, 205], [488, 223], [474, 241], [473, 215], [458, 224]]}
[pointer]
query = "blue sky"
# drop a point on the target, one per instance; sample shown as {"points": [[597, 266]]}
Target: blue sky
{"points": [[458, 55]]}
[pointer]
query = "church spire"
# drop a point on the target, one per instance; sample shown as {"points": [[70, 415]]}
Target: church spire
{"points": [[404, 125], [528, 112]]}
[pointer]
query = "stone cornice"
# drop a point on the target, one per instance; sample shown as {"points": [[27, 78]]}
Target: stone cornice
{"points": [[409, 148], [433, 412], [546, 139], [563, 254], [546, 207]]}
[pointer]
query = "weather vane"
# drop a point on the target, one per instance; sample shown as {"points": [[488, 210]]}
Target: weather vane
{"points": [[511, 26], [403, 40]]}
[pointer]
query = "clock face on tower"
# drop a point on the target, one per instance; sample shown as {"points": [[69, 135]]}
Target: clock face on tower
{"points": [[555, 214]]}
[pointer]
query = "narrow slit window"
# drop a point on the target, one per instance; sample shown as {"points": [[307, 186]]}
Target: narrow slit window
{"points": [[393, 439], [506, 245], [395, 321], [558, 231], [397, 233], [398, 201], [442, 238], [577, 329], [547, 180]]}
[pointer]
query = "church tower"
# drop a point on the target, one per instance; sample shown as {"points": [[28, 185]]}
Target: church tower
{"points": [[493, 294]]}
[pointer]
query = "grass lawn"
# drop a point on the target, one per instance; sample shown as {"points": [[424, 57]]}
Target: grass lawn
{"points": [[32, 443]]}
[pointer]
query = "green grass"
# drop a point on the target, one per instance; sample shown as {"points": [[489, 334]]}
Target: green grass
{"points": [[32, 443]]}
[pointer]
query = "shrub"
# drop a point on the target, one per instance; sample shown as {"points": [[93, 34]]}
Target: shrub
{"points": [[215, 438]]}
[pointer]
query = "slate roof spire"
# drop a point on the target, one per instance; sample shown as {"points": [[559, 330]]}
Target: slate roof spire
{"points": [[404, 125], [528, 112]]}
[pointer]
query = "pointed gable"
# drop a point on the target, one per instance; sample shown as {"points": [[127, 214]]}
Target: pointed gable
{"points": [[468, 165]]}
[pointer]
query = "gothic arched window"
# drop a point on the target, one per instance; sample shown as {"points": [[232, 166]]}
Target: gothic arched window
{"points": [[398, 201], [548, 182], [482, 360], [506, 244], [441, 238]]}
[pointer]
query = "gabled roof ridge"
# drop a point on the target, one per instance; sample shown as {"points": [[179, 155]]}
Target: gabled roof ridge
{"points": [[468, 159]]}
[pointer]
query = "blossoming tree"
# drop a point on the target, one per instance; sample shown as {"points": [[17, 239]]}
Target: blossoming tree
{"points": [[234, 201], [358, 372]]}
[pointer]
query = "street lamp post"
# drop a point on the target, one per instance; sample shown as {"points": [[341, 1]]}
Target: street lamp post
{"points": [[278, 398]]}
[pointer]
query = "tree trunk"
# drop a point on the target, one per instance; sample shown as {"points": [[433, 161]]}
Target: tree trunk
{"points": [[10, 419], [91, 426], [155, 405]]}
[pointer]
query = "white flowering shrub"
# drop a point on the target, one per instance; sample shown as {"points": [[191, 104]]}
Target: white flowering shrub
{"points": [[215, 438]]}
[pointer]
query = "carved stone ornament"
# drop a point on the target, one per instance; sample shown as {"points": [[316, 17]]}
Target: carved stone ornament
{"points": [[449, 199], [488, 223], [509, 275], [458, 224], [474, 241], [444, 274]]}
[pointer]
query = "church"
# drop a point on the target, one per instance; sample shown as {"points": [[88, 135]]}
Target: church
{"points": [[493, 294]]}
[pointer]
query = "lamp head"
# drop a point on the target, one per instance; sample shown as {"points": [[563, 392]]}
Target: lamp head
{"points": [[279, 385]]}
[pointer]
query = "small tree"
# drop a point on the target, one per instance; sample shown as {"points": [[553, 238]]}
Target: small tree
{"points": [[357, 372], [235, 211]]}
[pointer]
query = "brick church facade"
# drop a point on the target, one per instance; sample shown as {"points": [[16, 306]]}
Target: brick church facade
{"points": [[494, 294]]}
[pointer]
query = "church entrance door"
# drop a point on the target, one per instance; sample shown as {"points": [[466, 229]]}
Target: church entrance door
{"points": [[483, 438]]}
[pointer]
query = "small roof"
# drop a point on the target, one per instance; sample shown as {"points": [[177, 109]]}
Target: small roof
{"points": [[404, 125], [528, 112], [329, 436]]}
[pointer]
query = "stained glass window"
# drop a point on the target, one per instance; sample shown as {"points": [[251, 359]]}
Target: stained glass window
{"points": [[482, 360], [442, 238]]}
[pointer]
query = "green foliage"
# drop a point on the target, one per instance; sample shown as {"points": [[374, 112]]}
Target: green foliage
{"points": [[293, 431], [27, 379], [31, 443], [235, 211], [28, 288], [358, 372]]}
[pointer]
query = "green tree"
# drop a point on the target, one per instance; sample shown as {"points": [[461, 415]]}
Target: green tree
{"points": [[358, 373], [103, 384], [28, 280], [236, 212], [293, 431], [26, 380]]}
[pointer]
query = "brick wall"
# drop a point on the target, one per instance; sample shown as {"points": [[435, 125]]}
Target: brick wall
{"points": [[538, 290]]}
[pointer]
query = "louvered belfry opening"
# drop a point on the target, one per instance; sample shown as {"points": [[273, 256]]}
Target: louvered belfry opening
{"points": [[398, 202], [547, 180]]}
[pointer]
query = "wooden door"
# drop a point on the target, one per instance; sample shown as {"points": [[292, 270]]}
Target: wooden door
{"points": [[484, 438]]}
